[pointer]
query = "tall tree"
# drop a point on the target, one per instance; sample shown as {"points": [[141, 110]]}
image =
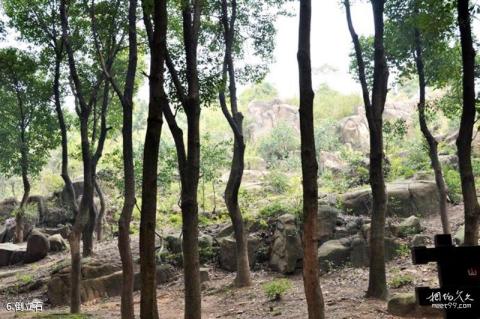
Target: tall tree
{"points": [[238, 18], [39, 22], [28, 122], [419, 35], [155, 20], [377, 286], [235, 120], [92, 99], [188, 156], [126, 99], [313, 291], [464, 140]]}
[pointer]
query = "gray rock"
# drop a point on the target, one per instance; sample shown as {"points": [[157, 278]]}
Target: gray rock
{"points": [[7, 230], [459, 237], [174, 243], [37, 246], [409, 226], [57, 243], [286, 251], [204, 276], [420, 240], [11, 253], [225, 231], [326, 222], [419, 198], [55, 216], [359, 252], [332, 254], [98, 284], [227, 255], [402, 304], [405, 305]]}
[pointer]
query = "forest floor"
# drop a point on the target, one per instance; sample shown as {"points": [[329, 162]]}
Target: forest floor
{"points": [[343, 288]]}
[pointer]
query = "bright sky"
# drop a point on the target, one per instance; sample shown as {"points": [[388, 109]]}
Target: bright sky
{"points": [[330, 45]]}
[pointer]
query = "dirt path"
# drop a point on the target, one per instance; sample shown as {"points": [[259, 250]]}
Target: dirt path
{"points": [[343, 289]]}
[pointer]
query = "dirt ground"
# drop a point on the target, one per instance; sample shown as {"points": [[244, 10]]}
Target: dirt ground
{"points": [[343, 288]]}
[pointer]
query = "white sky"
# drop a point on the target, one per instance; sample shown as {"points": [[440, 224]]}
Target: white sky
{"points": [[330, 45]]}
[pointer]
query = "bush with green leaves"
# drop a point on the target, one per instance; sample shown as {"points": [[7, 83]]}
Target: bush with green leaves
{"points": [[326, 136], [278, 208], [276, 182], [399, 280], [279, 146], [394, 133], [454, 184], [275, 289]]}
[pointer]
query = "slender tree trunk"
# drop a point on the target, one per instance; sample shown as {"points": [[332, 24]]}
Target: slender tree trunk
{"points": [[158, 99], [63, 132], [101, 213], [464, 140], [235, 120], [431, 141], [127, 308], [377, 286], [189, 205], [19, 218], [313, 291], [76, 234]]}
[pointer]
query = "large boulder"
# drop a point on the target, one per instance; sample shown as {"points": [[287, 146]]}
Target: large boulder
{"points": [[459, 237], [37, 246], [286, 250], [6, 208], [326, 222], [406, 198], [227, 254], [7, 230], [353, 131], [420, 240], [332, 253], [104, 282], [331, 161], [62, 230], [57, 243], [40, 201], [409, 226], [264, 116], [11, 253], [56, 216], [405, 305]]}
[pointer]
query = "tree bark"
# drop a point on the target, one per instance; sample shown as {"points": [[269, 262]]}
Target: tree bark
{"points": [[101, 213], [89, 163], [63, 130], [127, 307], [431, 141], [464, 140], [158, 99], [235, 120], [313, 291], [377, 286]]}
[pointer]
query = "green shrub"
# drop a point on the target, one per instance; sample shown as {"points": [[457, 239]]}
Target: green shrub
{"points": [[454, 184], [276, 288], [403, 250], [276, 182], [25, 279], [400, 280], [278, 147], [326, 136], [278, 208]]}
